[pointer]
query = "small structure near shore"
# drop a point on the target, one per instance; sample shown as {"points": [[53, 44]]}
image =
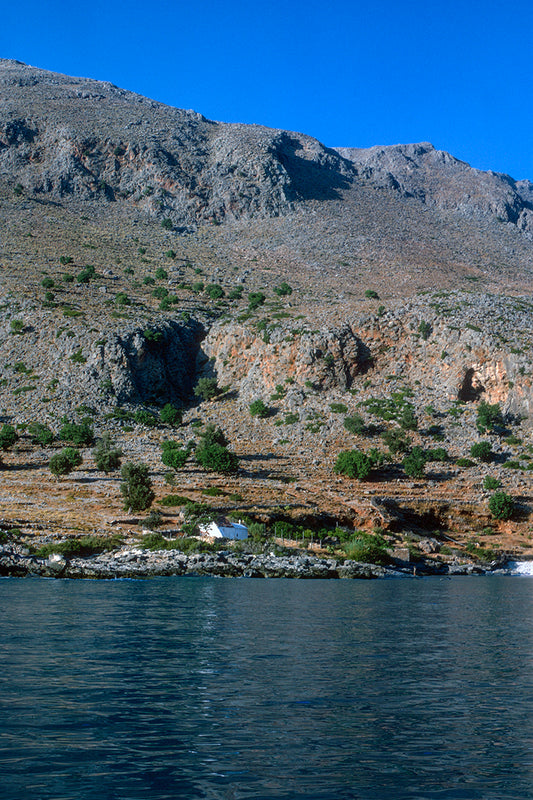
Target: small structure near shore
{"points": [[224, 529]]}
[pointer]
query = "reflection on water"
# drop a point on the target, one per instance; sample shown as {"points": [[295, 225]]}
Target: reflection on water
{"points": [[209, 688]]}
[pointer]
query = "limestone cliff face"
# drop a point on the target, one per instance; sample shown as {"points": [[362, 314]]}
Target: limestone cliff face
{"points": [[258, 362]]}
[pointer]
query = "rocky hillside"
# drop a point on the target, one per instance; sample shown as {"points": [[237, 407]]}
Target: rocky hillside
{"points": [[144, 247]]}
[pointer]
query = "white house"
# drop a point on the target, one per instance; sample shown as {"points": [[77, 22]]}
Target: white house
{"points": [[223, 529]]}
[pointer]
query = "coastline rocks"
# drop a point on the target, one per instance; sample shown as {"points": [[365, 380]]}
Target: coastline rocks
{"points": [[137, 563]]}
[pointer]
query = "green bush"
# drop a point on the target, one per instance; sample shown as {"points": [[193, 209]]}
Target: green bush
{"points": [[160, 292], [40, 434], [78, 548], [161, 274], [371, 294], [488, 416], [148, 280], [207, 388], [338, 408], [173, 455], [217, 458], [482, 451], [355, 424], [64, 462], [354, 464], [255, 299], [107, 456], [283, 289], [501, 505], [259, 409], [122, 299], [437, 454], [166, 224], [8, 437], [80, 434], [236, 293], [367, 548], [170, 415], [144, 417], [47, 283], [414, 463], [16, 326], [424, 329], [490, 483], [464, 462], [396, 441], [214, 291], [136, 488]]}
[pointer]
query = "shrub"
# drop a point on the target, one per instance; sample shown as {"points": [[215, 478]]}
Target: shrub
{"points": [[259, 409], [488, 416], [236, 293], [86, 274], [490, 483], [255, 299], [136, 488], [464, 462], [217, 458], [368, 548], [107, 456], [283, 289], [17, 326], [8, 437], [354, 464], [338, 408], [371, 294], [47, 283], [207, 388], [414, 463], [396, 441], [424, 329], [80, 434], [214, 291], [481, 451], [437, 454], [64, 260], [170, 253], [166, 224], [212, 435], [64, 462], [173, 455], [144, 417], [40, 434], [148, 280], [122, 299], [501, 505], [170, 415], [198, 286], [355, 424], [160, 292], [161, 274]]}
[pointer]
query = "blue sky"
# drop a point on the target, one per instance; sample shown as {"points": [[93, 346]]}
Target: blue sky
{"points": [[457, 74]]}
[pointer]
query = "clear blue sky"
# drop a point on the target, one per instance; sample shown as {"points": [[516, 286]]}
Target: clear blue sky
{"points": [[458, 73]]}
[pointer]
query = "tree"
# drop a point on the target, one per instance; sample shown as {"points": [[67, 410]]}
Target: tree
{"points": [[207, 388], [414, 463], [354, 464], [40, 434], [217, 458], [255, 299], [107, 456], [8, 437], [488, 416], [396, 441], [136, 487], [80, 434], [64, 462], [482, 451], [173, 455], [501, 505], [215, 291], [170, 415], [212, 435], [259, 409]]}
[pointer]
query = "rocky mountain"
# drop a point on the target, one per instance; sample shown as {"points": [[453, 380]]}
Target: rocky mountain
{"points": [[143, 247]]}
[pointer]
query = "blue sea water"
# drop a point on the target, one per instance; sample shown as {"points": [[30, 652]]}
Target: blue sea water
{"points": [[226, 689]]}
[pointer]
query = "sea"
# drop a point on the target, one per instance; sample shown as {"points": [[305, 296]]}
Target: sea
{"points": [[227, 689]]}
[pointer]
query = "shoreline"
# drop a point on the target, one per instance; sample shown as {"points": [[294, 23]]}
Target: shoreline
{"points": [[130, 562]]}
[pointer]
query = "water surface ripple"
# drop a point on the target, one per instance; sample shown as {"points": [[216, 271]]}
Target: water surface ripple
{"points": [[230, 689]]}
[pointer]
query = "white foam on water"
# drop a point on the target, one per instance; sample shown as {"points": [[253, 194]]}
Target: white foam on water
{"points": [[521, 567]]}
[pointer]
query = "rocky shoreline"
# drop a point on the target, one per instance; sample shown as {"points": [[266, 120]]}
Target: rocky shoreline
{"points": [[15, 561]]}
